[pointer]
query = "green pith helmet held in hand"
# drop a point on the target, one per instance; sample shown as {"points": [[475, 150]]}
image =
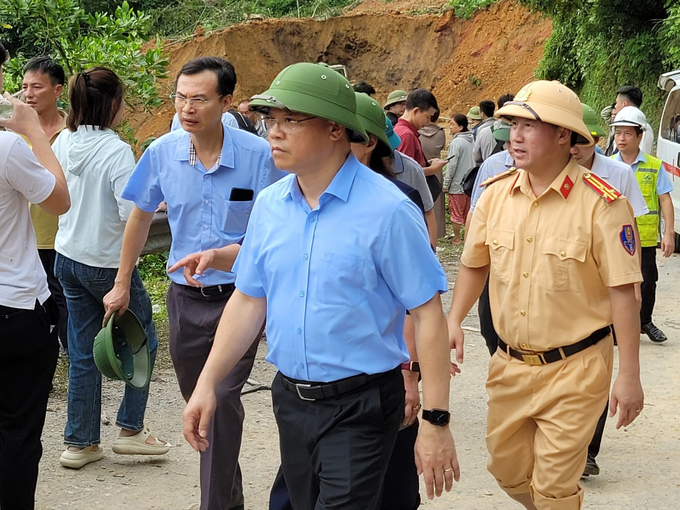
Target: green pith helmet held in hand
{"points": [[500, 130], [121, 351], [396, 96], [314, 89], [372, 118], [590, 119]]}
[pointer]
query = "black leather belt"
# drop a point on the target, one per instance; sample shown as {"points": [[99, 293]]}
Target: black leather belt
{"points": [[543, 358], [213, 290], [318, 391]]}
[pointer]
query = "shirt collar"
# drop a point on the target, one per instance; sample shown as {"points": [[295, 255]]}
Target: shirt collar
{"points": [[185, 150], [407, 124], [563, 184], [339, 187], [639, 159]]}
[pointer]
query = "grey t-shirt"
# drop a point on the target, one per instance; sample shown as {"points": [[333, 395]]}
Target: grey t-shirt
{"points": [[408, 171]]}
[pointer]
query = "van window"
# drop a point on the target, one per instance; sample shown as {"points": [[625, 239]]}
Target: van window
{"points": [[670, 122]]}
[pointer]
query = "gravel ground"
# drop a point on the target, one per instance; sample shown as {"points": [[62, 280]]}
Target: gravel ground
{"points": [[640, 467]]}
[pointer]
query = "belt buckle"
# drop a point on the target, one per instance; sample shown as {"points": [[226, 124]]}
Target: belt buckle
{"points": [[302, 385], [532, 359], [219, 289]]}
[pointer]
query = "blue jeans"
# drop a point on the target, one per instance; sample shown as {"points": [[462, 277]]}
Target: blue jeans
{"points": [[84, 289]]}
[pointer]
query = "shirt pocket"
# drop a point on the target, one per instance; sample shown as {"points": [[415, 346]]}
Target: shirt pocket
{"points": [[236, 219], [340, 280], [561, 264], [501, 246]]}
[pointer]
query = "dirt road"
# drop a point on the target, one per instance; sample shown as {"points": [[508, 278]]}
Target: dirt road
{"points": [[640, 465]]}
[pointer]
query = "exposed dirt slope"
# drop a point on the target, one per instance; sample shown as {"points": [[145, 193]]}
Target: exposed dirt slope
{"points": [[464, 61]]}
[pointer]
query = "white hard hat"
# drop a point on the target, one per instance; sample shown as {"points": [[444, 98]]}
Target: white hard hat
{"points": [[630, 116]]}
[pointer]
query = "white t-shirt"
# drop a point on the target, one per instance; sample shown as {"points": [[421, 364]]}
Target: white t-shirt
{"points": [[22, 180], [622, 177], [97, 165], [227, 119]]}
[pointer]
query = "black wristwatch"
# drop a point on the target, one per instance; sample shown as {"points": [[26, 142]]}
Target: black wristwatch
{"points": [[437, 417]]}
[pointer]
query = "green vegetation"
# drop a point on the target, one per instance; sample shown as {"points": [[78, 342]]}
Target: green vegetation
{"points": [[79, 40], [598, 45]]}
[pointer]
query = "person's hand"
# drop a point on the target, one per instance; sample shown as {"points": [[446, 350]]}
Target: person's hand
{"points": [[194, 264], [436, 458], [162, 207], [438, 163], [456, 342], [196, 418], [668, 244], [627, 398], [412, 402], [24, 121], [118, 299]]}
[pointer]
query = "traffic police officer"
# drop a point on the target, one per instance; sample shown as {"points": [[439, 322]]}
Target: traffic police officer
{"points": [[319, 261], [560, 246]]}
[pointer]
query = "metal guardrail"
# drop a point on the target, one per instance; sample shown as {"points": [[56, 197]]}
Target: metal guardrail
{"points": [[159, 235]]}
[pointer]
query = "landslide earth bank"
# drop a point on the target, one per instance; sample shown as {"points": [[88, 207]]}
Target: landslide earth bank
{"points": [[462, 61]]}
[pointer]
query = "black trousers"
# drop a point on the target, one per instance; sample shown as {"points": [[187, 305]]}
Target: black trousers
{"points": [[335, 451], [56, 303], [650, 275], [486, 321], [28, 357]]}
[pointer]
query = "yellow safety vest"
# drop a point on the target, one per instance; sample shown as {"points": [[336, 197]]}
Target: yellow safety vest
{"points": [[647, 174]]}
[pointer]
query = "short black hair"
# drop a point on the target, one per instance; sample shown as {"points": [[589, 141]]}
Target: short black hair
{"points": [[4, 54], [48, 66], [487, 107], [226, 75], [461, 120], [633, 93], [504, 99], [421, 98], [364, 87]]}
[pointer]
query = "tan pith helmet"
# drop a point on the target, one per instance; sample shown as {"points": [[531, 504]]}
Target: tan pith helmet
{"points": [[550, 102]]}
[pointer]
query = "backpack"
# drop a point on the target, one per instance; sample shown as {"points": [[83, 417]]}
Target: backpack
{"points": [[469, 179], [243, 122]]}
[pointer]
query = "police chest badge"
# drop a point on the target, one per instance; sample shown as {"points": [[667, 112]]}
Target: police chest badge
{"points": [[627, 236]]}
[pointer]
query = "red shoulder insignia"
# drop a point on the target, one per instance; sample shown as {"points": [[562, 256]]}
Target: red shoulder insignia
{"points": [[608, 192], [499, 176]]}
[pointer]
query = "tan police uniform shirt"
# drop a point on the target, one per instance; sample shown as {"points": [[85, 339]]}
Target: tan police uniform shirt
{"points": [[552, 257], [44, 223]]}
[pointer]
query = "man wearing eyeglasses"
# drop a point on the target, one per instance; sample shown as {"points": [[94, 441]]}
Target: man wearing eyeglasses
{"points": [[209, 176]]}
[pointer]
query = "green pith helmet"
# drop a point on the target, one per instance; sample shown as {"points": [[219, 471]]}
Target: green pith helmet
{"points": [[396, 96], [473, 113], [500, 130], [372, 118], [121, 351], [591, 121], [314, 89]]}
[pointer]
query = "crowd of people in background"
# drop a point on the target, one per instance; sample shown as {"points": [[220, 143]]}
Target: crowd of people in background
{"points": [[315, 206]]}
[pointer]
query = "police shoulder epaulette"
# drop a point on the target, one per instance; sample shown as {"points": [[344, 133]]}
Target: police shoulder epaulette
{"points": [[499, 176], [607, 192]]}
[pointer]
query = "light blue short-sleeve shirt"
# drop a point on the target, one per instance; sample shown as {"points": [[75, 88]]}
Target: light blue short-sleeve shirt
{"points": [[492, 166], [338, 279], [663, 182], [204, 211]]}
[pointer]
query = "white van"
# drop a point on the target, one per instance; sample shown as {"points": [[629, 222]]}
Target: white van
{"points": [[668, 141]]}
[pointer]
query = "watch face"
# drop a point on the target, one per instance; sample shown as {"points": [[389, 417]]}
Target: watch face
{"points": [[437, 417]]}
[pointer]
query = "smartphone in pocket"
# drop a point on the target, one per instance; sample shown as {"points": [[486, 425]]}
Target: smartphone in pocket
{"points": [[241, 195]]}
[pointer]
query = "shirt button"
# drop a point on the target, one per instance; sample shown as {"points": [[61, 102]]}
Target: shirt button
{"points": [[299, 331], [525, 346], [305, 256], [522, 312], [529, 239], [207, 201], [302, 294], [563, 253], [535, 204], [205, 227], [311, 220], [302, 365], [495, 242], [525, 274]]}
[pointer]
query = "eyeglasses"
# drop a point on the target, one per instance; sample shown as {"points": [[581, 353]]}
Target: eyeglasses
{"points": [[526, 107], [286, 125], [197, 103]]}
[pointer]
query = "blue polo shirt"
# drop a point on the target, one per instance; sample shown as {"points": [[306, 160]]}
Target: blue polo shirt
{"points": [[339, 278], [663, 182], [201, 212], [492, 166]]}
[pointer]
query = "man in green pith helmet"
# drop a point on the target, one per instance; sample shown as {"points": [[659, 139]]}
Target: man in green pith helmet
{"points": [[319, 262]]}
